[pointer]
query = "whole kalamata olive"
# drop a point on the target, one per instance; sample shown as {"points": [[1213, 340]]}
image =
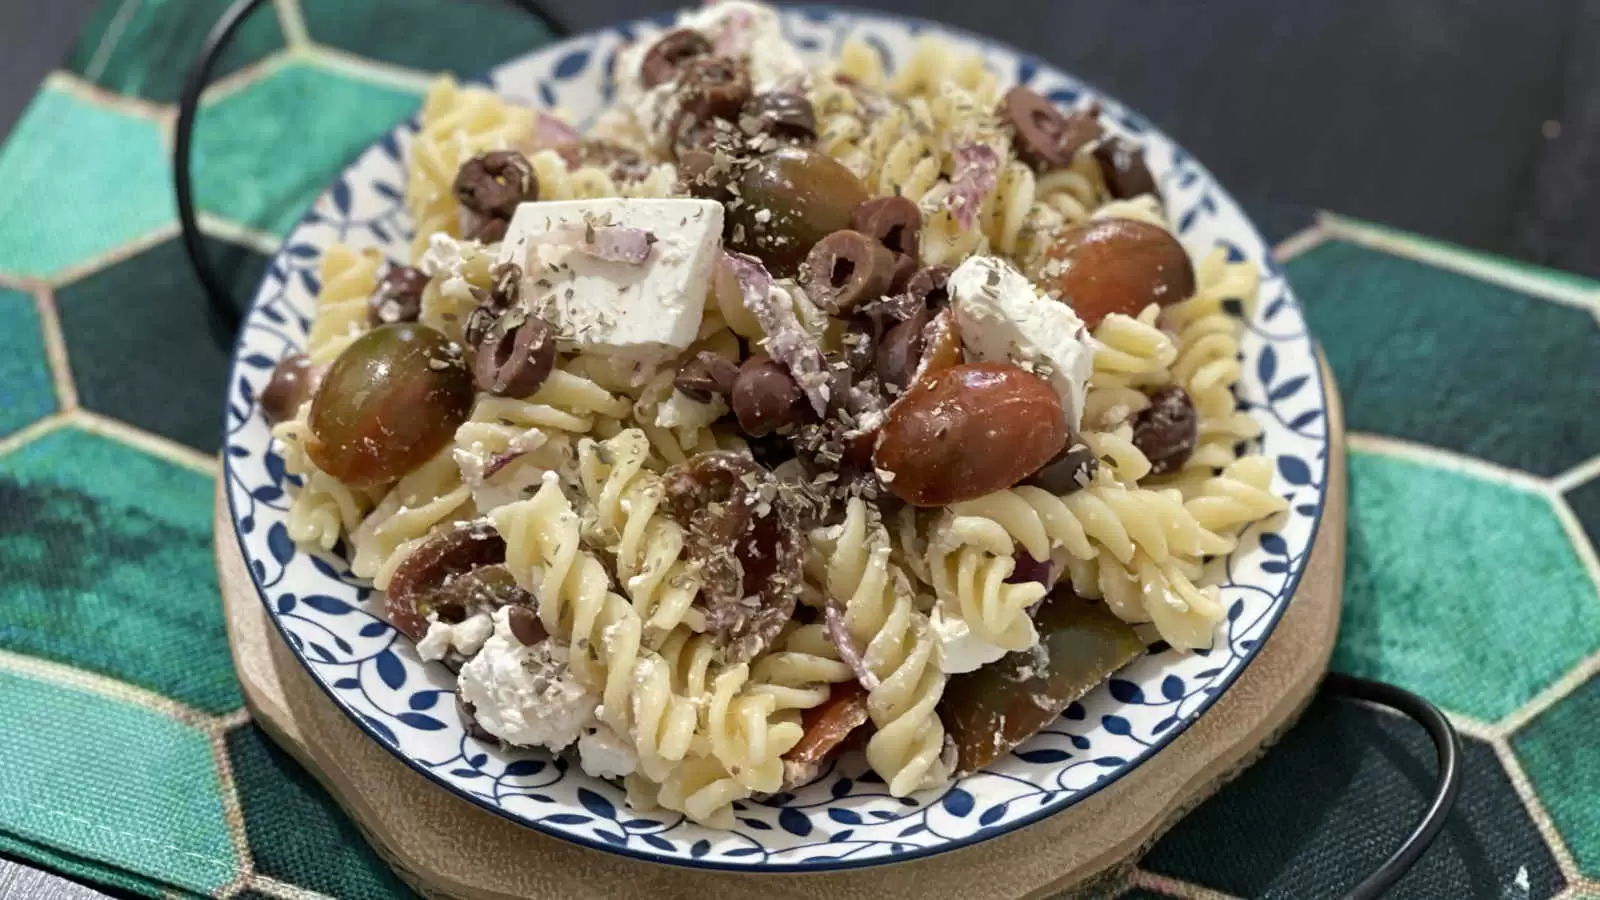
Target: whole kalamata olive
{"points": [[765, 397], [786, 202], [1116, 266], [967, 431], [391, 401], [293, 380], [1166, 430]]}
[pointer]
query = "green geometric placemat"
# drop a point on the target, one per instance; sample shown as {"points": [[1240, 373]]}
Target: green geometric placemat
{"points": [[1471, 387]]}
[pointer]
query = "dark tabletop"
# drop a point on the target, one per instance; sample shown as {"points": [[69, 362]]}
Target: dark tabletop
{"points": [[1477, 121]]}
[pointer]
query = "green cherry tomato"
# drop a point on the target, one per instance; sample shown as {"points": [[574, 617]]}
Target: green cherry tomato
{"points": [[391, 401]]}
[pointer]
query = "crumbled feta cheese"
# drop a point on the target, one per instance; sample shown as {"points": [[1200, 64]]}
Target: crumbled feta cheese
{"points": [[444, 256], [1004, 319], [751, 32], [643, 311], [959, 649], [525, 695], [465, 637], [605, 754], [682, 411]]}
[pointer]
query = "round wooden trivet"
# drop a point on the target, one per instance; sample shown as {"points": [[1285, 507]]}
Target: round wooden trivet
{"points": [[446, 847]]}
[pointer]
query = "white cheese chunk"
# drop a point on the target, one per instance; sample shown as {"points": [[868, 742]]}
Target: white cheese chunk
{"points": [[465, 637], [680, 410], [525, 695], [1004, 319], [749, 32], [605, 754], [648, 310], [752, 33], [959, 649]]}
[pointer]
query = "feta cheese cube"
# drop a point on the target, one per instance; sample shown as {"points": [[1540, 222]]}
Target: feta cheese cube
{"points": [[1004, 319], [647, 310], [959, 649]]}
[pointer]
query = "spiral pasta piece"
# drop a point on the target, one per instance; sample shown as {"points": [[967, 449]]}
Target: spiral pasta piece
{"points": [[747, 731], [348, 279], [799, 669], [881, 616], [1143, 590], [431, 494], [629, 522], [576, 605], [701, 788], [1240, 495]]}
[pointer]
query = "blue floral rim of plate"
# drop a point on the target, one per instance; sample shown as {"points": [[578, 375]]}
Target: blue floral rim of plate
{"points": [[844, 818]]}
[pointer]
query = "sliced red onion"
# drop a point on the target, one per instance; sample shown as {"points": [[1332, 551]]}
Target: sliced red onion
{"points": [[613, 243], [833, 621], [976, 173], [550, 132], [787, 341], [1029, 569]]}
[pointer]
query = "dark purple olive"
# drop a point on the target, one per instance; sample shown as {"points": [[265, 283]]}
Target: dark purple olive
{"points": [[294, 379], [711, 87], [485, 588], [997, 707], [1047, 138], [782, 114], [847, 269], [1166, 430], [493, 184], [418, 586], [931, 285], [705, 375], [525, 625], [516, 356], [398, 297], [1122, 166], [765, 397], [894, 222], [391, 401], [669, 54], [786, 202], [1072, 470]]}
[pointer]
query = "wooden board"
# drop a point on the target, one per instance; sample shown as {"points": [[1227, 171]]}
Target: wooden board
{"points": [[446, 847]]}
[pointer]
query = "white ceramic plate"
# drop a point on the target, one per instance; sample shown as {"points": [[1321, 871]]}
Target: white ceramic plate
{"points": [[846, 817]]}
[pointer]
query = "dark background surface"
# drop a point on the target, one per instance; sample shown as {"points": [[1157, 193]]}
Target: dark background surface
{"points": [[1477, 121]]}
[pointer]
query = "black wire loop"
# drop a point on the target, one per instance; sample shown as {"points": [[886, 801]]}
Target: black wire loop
{"points": [[217, 291], [1447, 743], [1447, 785]]}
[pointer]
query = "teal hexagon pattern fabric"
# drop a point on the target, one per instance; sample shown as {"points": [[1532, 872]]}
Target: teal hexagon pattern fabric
{"points": [[1471, 388]]}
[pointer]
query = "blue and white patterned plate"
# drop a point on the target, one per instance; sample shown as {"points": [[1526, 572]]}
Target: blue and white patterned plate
{"points": [[845, 818]]}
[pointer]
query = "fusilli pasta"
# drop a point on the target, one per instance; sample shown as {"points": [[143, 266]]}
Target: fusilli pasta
{"points": [[881, 617]]}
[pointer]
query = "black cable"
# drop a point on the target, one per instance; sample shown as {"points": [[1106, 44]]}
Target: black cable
{"points": [[1446, 746], [217, 293], [1446, 742], [183, 183]]}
